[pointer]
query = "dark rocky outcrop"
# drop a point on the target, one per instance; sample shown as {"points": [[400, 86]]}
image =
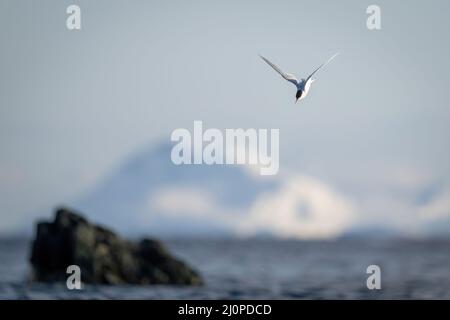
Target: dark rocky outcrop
{"points": [[103, 256]]}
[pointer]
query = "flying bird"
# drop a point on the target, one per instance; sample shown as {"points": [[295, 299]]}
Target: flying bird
{"points": [[303, 85]]}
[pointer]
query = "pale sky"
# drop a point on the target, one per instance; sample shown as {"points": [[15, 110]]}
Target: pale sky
{"points": [[76, 104]]}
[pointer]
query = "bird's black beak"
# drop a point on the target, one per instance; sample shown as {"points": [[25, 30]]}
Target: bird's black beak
{"points": [[298, 95]]}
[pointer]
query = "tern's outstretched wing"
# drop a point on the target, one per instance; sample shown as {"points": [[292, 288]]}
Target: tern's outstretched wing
{"points": [[287, 76], [322, 65]]}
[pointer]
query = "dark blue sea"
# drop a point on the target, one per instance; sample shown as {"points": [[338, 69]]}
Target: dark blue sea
{"points": [[266, 269]]}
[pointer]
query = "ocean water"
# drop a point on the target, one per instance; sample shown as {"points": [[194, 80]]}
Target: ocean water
{"points": [[266, 269]]}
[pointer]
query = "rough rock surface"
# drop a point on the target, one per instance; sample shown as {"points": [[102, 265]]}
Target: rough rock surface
{"points": [[103, 256]]}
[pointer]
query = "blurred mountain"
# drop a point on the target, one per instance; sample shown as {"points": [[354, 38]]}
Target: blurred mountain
{"points": [[150, 194]]}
